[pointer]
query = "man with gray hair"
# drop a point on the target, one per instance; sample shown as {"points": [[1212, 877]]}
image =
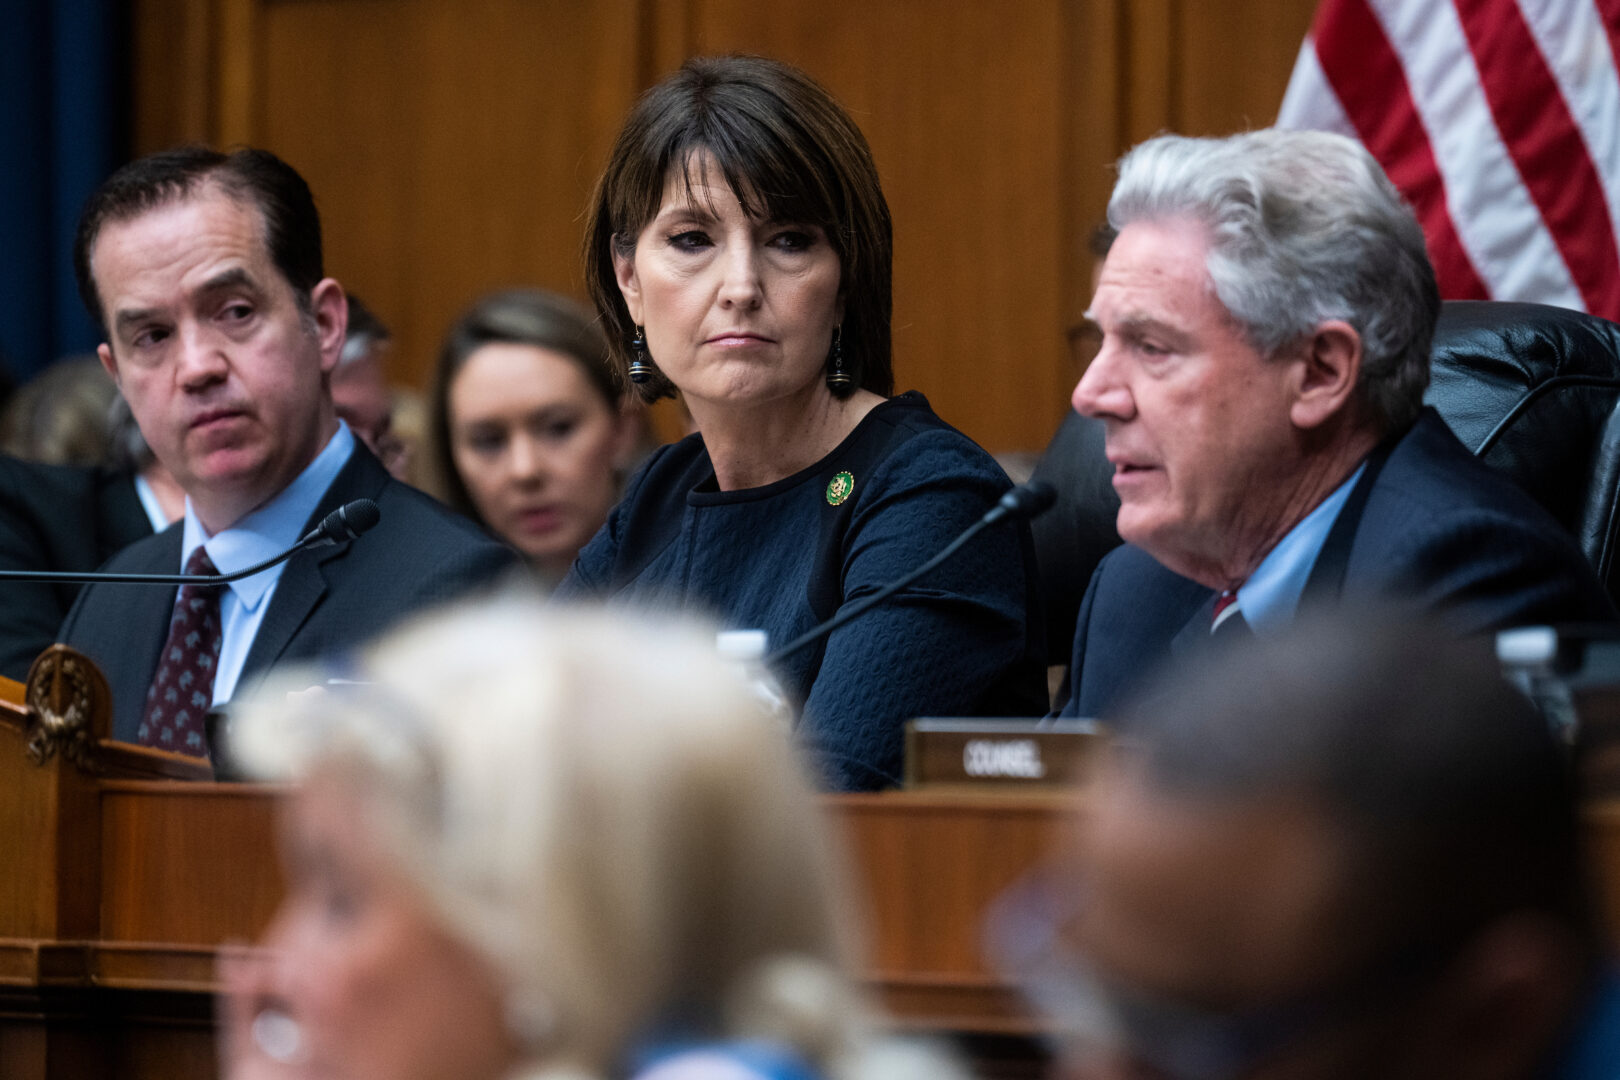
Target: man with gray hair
{"points": [[1266, 313]]}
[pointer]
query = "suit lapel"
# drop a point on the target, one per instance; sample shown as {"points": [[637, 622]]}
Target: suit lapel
{"points": [[1195, 632], [304, 581], [1326, 582]]}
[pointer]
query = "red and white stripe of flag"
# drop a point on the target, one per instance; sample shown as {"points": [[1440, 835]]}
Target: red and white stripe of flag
{"points": [[1499, 120]]}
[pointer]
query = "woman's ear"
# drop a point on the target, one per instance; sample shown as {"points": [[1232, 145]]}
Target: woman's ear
{"points": [[624, 271]]}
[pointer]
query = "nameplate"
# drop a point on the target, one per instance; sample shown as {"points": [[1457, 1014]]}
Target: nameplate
{"points": [[999, 753]]}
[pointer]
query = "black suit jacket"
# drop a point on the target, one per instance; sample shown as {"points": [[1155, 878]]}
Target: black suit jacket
{"points": [[56, 518], [327, 601], [1428, 525]]}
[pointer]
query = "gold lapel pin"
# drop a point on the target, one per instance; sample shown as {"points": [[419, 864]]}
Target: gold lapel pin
{"points": [[840, 488]]}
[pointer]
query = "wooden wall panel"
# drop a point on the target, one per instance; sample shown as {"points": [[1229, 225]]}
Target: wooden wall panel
{"points": [[1206, 67], [452, 145], [965, 106], [172, 93], [1234, 59]]}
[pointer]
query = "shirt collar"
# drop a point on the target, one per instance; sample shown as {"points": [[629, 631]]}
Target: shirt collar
{"points": [[1270, 596], [273, 527]]}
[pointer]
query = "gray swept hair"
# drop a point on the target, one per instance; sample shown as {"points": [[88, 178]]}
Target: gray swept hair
{"points": [[606, 811], [1304, 227]]}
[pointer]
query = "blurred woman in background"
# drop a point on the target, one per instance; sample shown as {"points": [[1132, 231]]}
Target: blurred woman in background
{"points": [[505, 859], [528, 428]]}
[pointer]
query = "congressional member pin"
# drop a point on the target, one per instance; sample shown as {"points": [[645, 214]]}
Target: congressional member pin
{"points": [[840, 488]]}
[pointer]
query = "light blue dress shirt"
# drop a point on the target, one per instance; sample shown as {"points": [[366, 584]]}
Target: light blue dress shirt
{"points": [[150, 503], [267, 531], [1271, 595]]}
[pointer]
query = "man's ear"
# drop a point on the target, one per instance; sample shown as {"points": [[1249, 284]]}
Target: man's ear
{"points": [[624, 270], [331, 311], [1329, 369], [105, 355]]}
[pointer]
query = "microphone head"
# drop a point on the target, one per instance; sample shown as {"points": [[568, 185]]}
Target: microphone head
{"points": [[349, 521], [1029, 500]]}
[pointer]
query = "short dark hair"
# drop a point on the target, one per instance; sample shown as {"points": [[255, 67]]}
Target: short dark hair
{"points": [[1457, 803], [789, 152], [292, 226], [544, 320]]}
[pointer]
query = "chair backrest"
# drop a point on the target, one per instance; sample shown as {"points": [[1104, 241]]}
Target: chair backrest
{"points": [[1533, 390], [1072, 537]]}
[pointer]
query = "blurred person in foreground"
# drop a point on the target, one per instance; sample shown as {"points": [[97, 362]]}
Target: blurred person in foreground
{"points": [[361, 395], [505, 859], [739, 252], [1267, 310], [1353, 851], [205, 271], [530, 429]]}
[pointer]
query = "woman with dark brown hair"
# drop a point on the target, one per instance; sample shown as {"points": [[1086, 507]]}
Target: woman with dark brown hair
{"points": [[740, 253], [528, 432]]}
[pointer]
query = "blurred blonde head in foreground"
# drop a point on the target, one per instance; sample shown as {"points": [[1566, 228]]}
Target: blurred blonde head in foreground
{"points": [[540, 843]]}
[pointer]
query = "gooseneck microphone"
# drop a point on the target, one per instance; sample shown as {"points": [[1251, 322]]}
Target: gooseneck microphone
{"points": [[339, 527], [1022, 502]]}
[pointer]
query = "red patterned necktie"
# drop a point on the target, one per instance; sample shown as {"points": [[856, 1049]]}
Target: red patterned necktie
{"points": [[183, 689], [1228, 619]]}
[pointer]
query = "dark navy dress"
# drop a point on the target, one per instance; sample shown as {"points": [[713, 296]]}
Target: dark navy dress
{"points": [[966, 639]]}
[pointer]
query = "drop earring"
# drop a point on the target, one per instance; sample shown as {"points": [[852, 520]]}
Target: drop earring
{"points": [[838, 380], [641, 369]]}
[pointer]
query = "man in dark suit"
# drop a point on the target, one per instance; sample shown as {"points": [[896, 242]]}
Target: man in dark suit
{"points": [[205, 271], [1266, 314]]}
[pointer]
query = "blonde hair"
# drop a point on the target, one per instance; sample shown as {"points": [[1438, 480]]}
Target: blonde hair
{"points": [[604, 810]]}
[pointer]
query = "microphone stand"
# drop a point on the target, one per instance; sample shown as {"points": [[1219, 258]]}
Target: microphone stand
{"points": [[1025, 501], [343, 524]]}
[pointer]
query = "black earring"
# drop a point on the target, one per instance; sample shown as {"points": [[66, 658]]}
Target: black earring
{"points": [[838, 379], [641, 369]]}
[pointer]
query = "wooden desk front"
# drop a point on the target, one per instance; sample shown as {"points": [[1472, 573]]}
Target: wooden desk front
{"points": [[183, 867]]}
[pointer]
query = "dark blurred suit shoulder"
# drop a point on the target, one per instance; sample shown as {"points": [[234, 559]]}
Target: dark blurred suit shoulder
{"points": [[1440, 531], [56, 517]]}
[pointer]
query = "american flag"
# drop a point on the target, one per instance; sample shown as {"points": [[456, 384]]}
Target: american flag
{"points": [[1499, 120]]}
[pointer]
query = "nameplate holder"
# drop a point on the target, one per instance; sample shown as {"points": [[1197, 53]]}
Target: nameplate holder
{"points": [[1000, 754]]}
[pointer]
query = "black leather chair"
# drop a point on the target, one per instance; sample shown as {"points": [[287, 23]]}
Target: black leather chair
{"points": [[1534, 390]]}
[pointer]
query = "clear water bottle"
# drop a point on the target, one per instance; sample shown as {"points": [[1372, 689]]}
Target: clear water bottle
{"points": [[747, 649]]}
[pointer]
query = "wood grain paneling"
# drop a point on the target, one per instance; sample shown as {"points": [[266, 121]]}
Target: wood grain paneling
{"points": [[966, 109], [1233, 60], [452, 147], [178, 901], [175, 43]]}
